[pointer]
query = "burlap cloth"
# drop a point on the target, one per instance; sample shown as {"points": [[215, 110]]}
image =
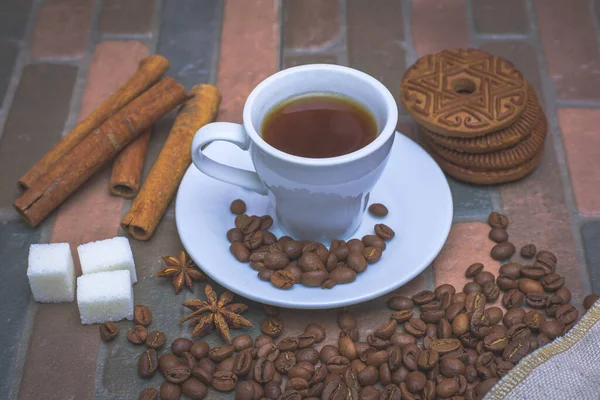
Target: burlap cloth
{"points": [[568, 368]]}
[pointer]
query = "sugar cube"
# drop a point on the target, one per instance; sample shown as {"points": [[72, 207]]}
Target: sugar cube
{"points": [[51, 273], [107, 255], [105, 296]]}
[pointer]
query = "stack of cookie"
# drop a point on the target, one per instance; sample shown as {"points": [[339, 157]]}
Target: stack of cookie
{"points": [[479, 118]]}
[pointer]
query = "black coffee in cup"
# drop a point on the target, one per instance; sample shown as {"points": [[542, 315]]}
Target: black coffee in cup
{"points": [[319, 125]]}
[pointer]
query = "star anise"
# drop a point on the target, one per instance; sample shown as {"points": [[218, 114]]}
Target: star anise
{"points": [[182, 270], [215, 313]]}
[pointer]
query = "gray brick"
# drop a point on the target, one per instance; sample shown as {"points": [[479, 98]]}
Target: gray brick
{"points": [[8, 55], [375, 33], [13, 18], [524, 58], [189, 38], [469, 200], [591, 243], [34, 123], [15, 239], [303, 59], [500, 16]]}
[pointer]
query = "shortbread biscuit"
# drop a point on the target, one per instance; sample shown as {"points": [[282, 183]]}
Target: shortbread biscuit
{"points": [[464, 92], [498, 160], [487, 177], [502, 139]]}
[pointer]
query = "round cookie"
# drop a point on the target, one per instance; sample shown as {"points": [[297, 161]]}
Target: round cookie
{"points": [[463, 92], [498, 160], [487, 177], [494, 141]]}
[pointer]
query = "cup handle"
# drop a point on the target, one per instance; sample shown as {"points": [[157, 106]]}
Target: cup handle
{"points": [[228, 132]]}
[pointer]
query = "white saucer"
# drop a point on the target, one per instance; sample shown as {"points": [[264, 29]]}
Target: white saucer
{"points": [[412, 186]]}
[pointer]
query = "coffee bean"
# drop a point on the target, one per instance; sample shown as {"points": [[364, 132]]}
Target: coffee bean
{"points": [[402, 316], [552, 282], [460, 297], [137, 334], [534, 272], [237, 207], [536, 299], [253, 240], [272, 390], [533, 319], [423, 297], [265, 275], [498, 235], [473, 270], [276, 260], [491, 291], [433, 317], [460, 324], [347, 348], [512, 298], [495, 342], [148, 394], [235, 235], [357, 262], [497, 220], [415, 327], [415, 381], [311, 262], [378, 210], [181, 345], [528, 251], [338, 364], [484, 277], [384, 232], [328, 284], [339, 249], [343, 275], [266, 221], [453, 310], [378, 343], [443, 289], [368, 376], [196, 390], [553, 303], [271, 326], [148, 363], [564, 294], [177, 373], [327, 352], [400, 303], [502, 251], [589, 300], [506, 282], [282, 279], [372, 254], [142, 315], [472, 287], [516, 350], [444, 346], [295, 271], [170, 391], [109, 331], [475, 301], [434, 305], [225, 381], [240, 252], [317, 330], [309, 355], [494, 315], [547, 258], [410, 356], [513, 316], [527, 285], [567, 314], [428, 359]]}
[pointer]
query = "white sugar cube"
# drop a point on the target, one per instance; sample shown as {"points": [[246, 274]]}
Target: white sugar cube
{"points": [[51, 273], [107, 255], [105, 296]]}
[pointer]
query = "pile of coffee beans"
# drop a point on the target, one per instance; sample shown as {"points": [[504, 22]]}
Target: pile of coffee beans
{"points": [[285, 262]]}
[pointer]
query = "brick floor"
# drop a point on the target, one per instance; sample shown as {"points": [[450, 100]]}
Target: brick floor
{"points": [[60, 58]]}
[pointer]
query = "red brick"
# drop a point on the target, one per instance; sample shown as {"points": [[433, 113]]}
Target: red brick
{"points": [[303, 59], [467, 243], [538, 214], [438, 25], [62, 28], [374, 35], [61, 358], [570, 46], [581, 141], [248, 54], [310, 23], [126, 16], [500, 17]]}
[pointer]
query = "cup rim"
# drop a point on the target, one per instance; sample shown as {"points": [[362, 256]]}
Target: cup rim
{"points": [[387, 130]]}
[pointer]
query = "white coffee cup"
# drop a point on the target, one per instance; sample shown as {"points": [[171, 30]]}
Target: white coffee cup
{"points": [[318, 199]]}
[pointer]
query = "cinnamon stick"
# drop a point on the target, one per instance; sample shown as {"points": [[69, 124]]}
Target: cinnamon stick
{"points": [[99, 147], [174, 159], [126, 176], [150, 71]]}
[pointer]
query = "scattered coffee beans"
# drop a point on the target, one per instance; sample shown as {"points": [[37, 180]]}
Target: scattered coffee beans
{"points": [[137, 334], [237, 207], [378, 210], [589, 301], [142, 315]]}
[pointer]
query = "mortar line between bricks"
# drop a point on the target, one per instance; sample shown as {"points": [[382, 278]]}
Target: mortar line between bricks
{"points": [[340, 48], [214, 68], [409, 48], [280, 41], [577, 103], [124, 36], [550, 97], [595, 22], [471, 30]]}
